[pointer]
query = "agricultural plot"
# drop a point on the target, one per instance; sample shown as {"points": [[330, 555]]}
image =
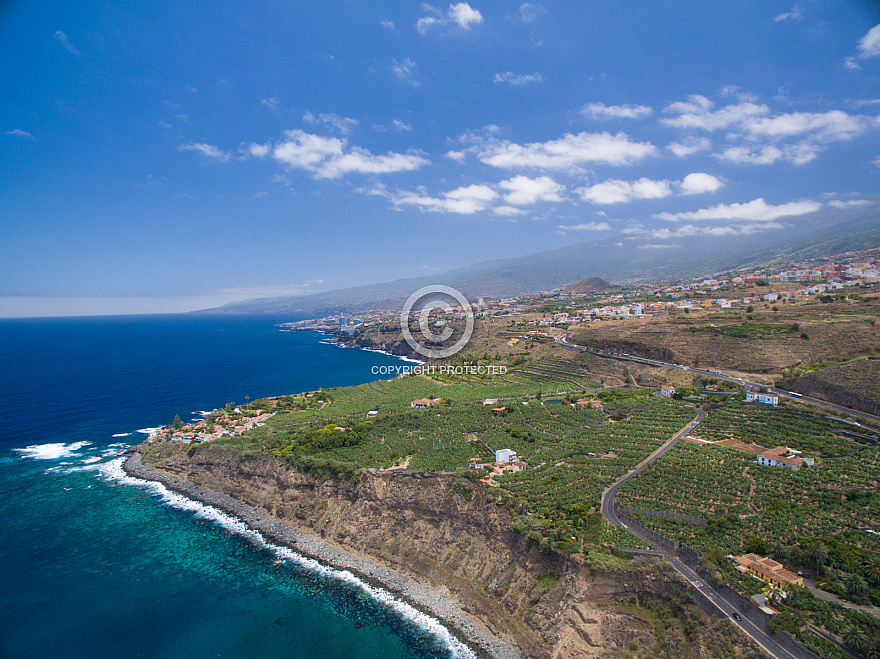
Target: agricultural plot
{"points": [[835, 498], [571, 472]]}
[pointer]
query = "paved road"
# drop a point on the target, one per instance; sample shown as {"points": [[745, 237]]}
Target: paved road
{"points": [[561, 340], [767, 642]]}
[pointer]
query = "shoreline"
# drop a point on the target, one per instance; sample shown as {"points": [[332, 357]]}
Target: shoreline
{"points": [[432, 601]]}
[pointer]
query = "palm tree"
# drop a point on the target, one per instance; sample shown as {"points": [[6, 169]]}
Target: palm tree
{"points": [[797, 555], [854, 637], [873, 650], [818, 551], [871, 570], [856, 584]]}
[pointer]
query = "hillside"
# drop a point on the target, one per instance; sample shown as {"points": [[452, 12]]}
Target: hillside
{"points": [[627, 258], [590, 285]]}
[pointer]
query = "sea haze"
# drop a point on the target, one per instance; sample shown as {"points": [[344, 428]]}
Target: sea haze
{"points": [[96, 565]]}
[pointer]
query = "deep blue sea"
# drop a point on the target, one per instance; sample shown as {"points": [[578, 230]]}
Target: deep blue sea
{"points": [[93, 564]]}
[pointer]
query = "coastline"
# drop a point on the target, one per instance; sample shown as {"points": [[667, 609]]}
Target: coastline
{"points": [[434, 602]]}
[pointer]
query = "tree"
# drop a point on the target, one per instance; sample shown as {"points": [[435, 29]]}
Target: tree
{"points": [[177, 424], [856, 584], [854, 637], [818, 551], [750, 309], [871, 570], [797, 555], [756, 546]]}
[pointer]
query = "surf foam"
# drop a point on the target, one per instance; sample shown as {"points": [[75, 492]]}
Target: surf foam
{"points": [[113, 470], [51, 451]]}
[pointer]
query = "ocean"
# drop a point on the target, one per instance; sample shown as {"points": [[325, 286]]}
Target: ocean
{"points": [[95, 564]]}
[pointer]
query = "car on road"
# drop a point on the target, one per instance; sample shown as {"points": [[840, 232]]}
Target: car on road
{"points": [[736, 616], [698, 584]]}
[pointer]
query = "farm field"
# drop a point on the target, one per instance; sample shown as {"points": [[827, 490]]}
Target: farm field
{"points": [[747, 504], [572, 453]]}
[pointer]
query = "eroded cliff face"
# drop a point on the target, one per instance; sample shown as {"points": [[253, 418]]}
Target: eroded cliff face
{"points": [[437, 531]]}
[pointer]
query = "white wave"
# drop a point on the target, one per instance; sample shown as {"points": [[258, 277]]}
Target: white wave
{"points": [[113, 470], [150, 431], [410, 359], [200, 413], [51, 451], [122, 434], [96, 458]]}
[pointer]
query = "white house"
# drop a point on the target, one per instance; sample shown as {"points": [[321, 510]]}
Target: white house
{"points": [[766, 399], [783, 457], [504, 456], [667, 391]]}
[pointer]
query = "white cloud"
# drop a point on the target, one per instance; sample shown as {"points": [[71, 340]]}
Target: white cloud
{"points": [[794, 14], [331, 157], [522, 190], [851, 64], [529, 12], [764, 132], [273, 103], [515, 80], [18, 132], [507, 211], [622, 192], [615, 191], [387, 25], [756, 210], [206, 150], [65, 42], [464, 201], [399, 125], [588, 226], [343, 124], [699, 183], [464, 15], [691, 230], [837, 203], [602, 111], [406, 70], [657, 246], [461, 15], [869, 45], [798, 154], [690, 146], [568, 153], [826, 126], [697, 112], [457, 156]]}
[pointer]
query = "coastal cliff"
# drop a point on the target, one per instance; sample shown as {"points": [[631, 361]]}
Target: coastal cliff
{"points": [[450, 534]]}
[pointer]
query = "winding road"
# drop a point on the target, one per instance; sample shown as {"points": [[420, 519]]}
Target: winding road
{"points": [[767, 642]]}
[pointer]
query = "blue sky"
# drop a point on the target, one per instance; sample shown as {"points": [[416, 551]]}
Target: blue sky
{"points": [[170, 156]]}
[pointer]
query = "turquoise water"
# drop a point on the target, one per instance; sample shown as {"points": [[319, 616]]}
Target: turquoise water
{"points": [[95, 565]]}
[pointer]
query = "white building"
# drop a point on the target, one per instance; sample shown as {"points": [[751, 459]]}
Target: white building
{"points": [[504, 456], [667, 391], [765, 399]]}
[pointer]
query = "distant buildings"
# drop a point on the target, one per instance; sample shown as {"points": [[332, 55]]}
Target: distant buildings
{"points": [[422, 403]]}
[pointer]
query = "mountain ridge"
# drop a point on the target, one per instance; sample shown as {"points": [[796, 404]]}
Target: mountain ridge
{"points": [[626, 259]]}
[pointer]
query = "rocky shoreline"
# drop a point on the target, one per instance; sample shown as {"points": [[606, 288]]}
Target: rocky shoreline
{"points": [[434, 601]]}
